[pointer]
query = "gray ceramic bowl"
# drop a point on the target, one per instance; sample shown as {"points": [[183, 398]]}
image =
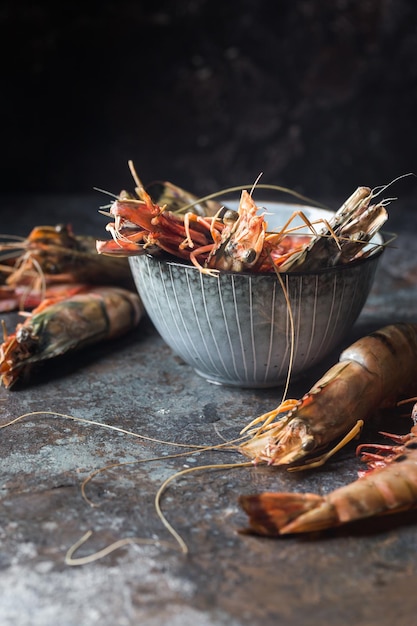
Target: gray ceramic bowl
{"points": [[234, 329]]}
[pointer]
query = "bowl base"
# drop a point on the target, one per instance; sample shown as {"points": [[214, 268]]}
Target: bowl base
{"points": [[239, 383]]}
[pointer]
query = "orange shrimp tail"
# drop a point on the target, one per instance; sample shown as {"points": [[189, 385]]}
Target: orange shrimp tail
{"points": [[271, 513]]}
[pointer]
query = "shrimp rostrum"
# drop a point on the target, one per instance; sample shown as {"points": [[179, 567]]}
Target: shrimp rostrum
{"points": [[372, 373]]}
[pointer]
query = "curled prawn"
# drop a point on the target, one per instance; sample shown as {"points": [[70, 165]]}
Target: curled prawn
{"points": [[372, 373]]}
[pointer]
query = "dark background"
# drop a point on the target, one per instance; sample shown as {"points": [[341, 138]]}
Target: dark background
{"points": [[319, 95]]}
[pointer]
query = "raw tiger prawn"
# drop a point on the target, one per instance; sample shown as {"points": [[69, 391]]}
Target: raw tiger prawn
{"points": [[54, 262], [388, 486], [239, 240], [373, 372], [76, 298], [60, 326]]}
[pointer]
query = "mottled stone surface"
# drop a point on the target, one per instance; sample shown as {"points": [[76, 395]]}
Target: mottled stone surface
{"points": [[365, 574]]}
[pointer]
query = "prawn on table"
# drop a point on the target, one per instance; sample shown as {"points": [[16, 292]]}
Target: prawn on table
{"points": [[75, 297], [372, 373], [54, 262], [388, 486], [57, 327]]}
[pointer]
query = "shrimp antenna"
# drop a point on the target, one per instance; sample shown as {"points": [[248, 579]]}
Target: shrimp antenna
{"points": [[277, 188], [108, 193], [13, 237], [380, 189], [292, 331], [138, 182], [255, 183]]}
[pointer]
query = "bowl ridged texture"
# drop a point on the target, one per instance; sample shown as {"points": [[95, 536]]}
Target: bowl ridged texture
{"points": [[235, 329]]}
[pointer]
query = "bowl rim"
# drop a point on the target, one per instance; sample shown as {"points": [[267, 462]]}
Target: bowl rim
{"points": [[167, 259]]}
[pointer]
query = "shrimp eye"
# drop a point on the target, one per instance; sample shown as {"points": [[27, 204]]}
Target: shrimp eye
{"points": [[249, 256], [26, 335], [308, 444], [229, 216], [51, 268]]}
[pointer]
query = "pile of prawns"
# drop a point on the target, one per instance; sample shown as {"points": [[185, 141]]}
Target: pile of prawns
{"points": [[218, 238]]}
